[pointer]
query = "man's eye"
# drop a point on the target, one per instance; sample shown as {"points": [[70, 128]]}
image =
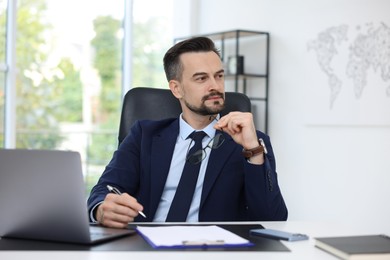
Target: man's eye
{"points": [[220, 76]]}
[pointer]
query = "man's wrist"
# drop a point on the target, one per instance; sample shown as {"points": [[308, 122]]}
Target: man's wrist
{"points": [[248, 153], [92, 213]]}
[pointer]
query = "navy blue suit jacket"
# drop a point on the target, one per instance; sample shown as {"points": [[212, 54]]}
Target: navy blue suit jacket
{"points": [[233, 189]]}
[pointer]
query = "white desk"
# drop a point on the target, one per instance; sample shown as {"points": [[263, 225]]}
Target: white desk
{"points": [[299, 250]]}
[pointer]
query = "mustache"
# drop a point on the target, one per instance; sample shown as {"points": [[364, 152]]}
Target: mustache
{"points": [[219, 94]]}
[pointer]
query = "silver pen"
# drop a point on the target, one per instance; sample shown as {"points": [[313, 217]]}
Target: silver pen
{"points": [[116, 191]]}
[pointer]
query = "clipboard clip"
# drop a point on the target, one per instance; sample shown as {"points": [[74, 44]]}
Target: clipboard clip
{"points": [[203, 242]]}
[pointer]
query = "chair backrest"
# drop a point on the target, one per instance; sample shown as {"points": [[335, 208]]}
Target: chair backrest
{"points": [[156, 103]]}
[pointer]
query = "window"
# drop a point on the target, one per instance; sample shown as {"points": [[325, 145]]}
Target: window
{"points": [[3, 66], [69, 72], [152, 37]]}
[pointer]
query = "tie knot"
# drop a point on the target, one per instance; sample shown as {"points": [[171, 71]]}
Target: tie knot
{"points": [[197, 136]]}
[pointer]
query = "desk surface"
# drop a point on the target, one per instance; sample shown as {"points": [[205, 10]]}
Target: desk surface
{"points": [[299, 250]]}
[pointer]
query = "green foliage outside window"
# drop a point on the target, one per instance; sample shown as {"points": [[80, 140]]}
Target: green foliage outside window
{"points": [[49, 95], [35, 90], [44, 98]]}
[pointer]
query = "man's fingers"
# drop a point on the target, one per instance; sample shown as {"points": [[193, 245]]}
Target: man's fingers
{"points": [[131, 202], [118, 216], [110, 217], [118, 210]]}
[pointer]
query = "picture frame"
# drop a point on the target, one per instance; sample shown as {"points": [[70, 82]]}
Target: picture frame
{"points": [[235, 65]]}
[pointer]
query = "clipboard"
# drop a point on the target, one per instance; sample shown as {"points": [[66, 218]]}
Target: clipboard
{"points": [[191, 237]]}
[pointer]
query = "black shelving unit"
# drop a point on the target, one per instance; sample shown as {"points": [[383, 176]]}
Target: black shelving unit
{"points": [[253, 46]]}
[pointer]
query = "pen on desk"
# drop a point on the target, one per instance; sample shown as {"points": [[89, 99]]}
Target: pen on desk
{"points": [[116, 191]]}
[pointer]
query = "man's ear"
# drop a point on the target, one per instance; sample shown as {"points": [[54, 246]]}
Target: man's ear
{"points": [[174, 85]]}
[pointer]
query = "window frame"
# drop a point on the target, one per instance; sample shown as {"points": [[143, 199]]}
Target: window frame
{"points": [[9, 67]]}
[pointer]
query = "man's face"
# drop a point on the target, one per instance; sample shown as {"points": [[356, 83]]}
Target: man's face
{"points": [[202, 84]]}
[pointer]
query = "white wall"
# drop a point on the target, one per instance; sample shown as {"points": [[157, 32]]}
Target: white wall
{"points": [[331, 166]]}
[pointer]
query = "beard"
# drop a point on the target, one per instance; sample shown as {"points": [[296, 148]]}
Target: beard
{"points": [[204, 110]]}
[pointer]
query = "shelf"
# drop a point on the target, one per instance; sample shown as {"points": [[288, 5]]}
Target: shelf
{"points": [[258, 98], [244, 76], [233, 34]]}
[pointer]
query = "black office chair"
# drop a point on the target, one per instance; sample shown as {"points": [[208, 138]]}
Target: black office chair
{"points": [[156, 103]]}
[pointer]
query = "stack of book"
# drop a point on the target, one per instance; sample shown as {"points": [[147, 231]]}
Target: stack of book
{"points": [[356, 247]]}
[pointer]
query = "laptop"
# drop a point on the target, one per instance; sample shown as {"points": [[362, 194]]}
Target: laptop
{"points": [[42, 197]]}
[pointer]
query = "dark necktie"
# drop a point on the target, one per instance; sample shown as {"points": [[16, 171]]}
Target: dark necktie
{"points": [[185, 190]]}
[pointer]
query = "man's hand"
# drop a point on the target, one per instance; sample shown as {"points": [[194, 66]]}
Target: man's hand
{"points": [[240, 126], [117, 210]]}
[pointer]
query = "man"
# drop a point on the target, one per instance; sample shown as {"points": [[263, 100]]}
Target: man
{"points": [[237, 179]]}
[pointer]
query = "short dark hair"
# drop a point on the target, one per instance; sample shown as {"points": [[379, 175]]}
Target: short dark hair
{"points": [[172, 65]]}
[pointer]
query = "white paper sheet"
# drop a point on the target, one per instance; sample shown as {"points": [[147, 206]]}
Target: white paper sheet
{"points": [[184, 236]]}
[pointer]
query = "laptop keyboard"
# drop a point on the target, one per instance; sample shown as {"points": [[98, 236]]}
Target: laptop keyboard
{"points": [[97, 233]]}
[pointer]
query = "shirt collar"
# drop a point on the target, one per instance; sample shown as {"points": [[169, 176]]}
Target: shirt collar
{"points": [[186, 129]]}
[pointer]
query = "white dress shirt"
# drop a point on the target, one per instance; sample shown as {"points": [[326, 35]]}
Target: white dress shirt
{"points": [[176, 169]]}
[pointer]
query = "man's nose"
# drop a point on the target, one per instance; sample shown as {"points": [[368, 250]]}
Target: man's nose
{"points": [[216, 84]]}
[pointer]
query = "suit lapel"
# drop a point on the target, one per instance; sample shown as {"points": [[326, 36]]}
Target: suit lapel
{"points": [[216, 162], [163, 144]]}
